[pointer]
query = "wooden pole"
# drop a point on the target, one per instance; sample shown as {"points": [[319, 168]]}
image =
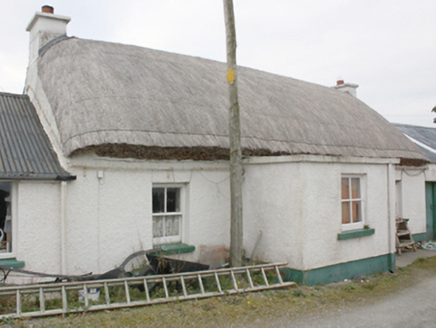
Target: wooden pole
{"points": [[235, 140]]}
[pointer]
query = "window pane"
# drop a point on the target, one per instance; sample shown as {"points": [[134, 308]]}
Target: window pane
{"points": [[355, 188], [346, 212], [357, 211], [158, 200], [172, 225], [173, 200], [345, 188], [158, 224]]}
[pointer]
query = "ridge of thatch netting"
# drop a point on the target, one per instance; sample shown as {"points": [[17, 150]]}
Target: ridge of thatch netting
{"points": [[169, 153]]}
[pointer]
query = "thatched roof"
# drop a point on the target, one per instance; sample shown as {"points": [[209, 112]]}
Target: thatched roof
{"points": [[106, 93]]}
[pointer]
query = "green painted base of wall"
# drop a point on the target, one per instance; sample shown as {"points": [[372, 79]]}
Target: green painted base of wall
{"points": [[420, 237], [343, 271]]}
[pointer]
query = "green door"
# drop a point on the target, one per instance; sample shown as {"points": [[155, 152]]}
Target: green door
{"points": [[430, 192]]}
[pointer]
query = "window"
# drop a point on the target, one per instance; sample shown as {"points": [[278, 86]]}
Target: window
{"points": [[5, 218], [352, 202], [167, 215]]}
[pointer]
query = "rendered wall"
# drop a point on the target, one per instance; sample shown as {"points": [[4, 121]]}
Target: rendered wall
{"points": [[297, 205], [38, 226], [109, 218], [412, 194], [430, 174]]}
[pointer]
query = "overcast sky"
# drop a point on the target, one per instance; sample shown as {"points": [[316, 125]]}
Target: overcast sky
{"points": [[387, 47]]}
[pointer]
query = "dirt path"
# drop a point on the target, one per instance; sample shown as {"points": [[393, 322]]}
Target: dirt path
{"points": [[411, 307]]}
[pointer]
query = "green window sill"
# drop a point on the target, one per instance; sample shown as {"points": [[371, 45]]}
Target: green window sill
{"points": [[12, 263], [175, 248], [355, 233]]}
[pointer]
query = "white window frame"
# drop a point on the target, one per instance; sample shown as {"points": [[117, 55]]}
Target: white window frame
{"points": [[360, 224], [179, 237], [13, 200]]}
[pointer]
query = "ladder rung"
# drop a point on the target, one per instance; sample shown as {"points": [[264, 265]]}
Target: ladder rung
{"points": [[279, 277], [165, 287], [264, 277], [147, 293], [200, 282], [18, 302], [85, 295], [126, 288], [249, 278], [106, 294], [182, 280], [218, 283], [235, 284], [64, 299], [41, 300]]}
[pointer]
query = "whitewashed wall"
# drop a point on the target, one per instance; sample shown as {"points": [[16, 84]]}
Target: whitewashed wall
{"points": [[412, 194], [111, 217], [430, 174], [294, 201], [297, 205], [37, 218]]}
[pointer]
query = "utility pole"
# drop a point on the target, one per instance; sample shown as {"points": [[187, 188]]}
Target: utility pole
{"points": [[234, 139]]}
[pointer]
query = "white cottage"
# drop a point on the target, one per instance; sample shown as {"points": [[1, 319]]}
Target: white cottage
{"points": [[145, 133]]}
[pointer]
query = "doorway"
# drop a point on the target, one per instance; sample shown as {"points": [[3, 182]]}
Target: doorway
{"points": [[430, 194]]}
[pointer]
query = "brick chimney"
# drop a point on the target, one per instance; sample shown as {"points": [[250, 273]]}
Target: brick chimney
{"points": [[346, 87], [44, 27]]}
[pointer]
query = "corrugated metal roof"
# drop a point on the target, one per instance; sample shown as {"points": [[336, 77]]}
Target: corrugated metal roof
{"points": [[25, 150], [425, 136]]}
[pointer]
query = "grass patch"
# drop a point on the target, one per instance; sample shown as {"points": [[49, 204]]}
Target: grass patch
{"points": [[258, 309]]}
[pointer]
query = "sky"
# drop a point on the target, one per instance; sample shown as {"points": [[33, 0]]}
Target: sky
{"points": [[387, 47]]}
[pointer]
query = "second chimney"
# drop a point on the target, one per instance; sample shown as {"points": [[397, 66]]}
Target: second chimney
{"points": [[346, 87]]}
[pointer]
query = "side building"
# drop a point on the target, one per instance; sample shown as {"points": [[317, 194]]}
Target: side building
{"points": [[416, 189]]}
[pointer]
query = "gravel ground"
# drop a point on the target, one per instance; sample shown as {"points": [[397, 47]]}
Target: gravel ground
{"points": [[410, 307]]}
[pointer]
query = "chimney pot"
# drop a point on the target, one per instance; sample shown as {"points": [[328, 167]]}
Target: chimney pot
{"points": [[340, 82], [47, 9]]}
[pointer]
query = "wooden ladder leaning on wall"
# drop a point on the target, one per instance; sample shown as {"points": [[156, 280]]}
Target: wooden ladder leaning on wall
{"points": [[404, 237]]}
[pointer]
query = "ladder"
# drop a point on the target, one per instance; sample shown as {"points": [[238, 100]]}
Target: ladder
{"points": [[73, 297], [404, 237]]}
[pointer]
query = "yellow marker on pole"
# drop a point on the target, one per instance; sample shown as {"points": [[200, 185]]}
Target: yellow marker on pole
{"points": [[230, 75]]}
